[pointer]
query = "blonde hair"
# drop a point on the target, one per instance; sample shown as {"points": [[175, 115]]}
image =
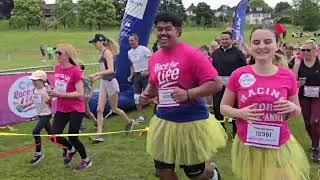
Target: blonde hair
{"points": [[71, 51], [312, 42], [280, 60], [112, 46]]}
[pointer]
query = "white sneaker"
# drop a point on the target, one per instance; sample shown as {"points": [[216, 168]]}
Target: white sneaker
{"points": [[97, 138], [109, 114], [216, 175], [140, 120]]}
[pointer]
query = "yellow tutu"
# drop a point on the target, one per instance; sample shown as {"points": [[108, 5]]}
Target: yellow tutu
{"points": [[187, 143], [287, 163]]}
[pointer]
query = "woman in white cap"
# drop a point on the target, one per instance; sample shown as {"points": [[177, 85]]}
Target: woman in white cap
{"points": [[41, 101]]}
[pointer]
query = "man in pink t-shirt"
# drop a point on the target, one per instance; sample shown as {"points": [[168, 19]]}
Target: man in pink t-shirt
{"points": [[180, 76]]}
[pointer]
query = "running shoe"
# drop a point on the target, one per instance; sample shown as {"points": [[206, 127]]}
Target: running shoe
{"points": [[109, 114], [97, 138], [64, 152], [128, 127], [69, 157], [82, 165], [315, 154], [140, 120], [216, 174], [36, 159]]}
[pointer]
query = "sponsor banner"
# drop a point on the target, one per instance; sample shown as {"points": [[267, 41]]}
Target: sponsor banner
{"points": [[138, 19], [16, 98]]}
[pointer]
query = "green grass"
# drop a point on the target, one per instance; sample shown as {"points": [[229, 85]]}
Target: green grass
{"points": [[120, 156]]}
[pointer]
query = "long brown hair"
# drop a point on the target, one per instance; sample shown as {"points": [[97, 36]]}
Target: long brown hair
{"points": [[112, 46]]}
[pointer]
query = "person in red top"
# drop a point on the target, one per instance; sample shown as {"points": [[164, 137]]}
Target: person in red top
{"points": [[68, 88], [279, 29]]}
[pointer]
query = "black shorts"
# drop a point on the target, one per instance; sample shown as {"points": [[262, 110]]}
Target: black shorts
{"points": [[139, 83], [190, 171]]}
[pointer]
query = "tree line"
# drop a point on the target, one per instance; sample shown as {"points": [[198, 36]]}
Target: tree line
{"points": [[101, 13]]}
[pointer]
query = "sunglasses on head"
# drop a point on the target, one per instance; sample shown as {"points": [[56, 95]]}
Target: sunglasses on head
{"points": [[58, 53], [304, 50]]}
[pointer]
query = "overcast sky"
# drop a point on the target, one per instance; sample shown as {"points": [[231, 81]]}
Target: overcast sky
{"points": [[213, 3]]}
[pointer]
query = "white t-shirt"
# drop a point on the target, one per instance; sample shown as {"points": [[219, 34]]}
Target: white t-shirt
{"points": [[139, 58], [39, 97]]}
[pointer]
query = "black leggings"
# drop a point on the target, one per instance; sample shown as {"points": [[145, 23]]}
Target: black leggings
{"points": [[43, 122], [74, 119]]}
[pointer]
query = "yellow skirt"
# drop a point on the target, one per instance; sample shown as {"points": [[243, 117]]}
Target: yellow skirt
{"points": [[287, 163], [186, 143]]}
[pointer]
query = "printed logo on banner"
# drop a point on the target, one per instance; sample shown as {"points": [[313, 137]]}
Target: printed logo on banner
{"points": [[20, 98], [136, 8]]}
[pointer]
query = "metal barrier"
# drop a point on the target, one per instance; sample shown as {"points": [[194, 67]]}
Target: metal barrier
{"points": [[25, 70], [90, 68]]}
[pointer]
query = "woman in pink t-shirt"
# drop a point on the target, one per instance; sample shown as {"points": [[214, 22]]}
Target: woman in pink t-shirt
{"points": [[68, 88], [264, 148]]}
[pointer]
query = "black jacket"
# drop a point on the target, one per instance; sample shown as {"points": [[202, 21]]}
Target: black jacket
{"points": [[226, 61]]}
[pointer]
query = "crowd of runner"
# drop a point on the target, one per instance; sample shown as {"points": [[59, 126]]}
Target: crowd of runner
{"points": [[260, 85]]}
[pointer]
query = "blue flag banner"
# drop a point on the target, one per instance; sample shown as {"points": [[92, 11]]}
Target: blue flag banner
{"points": [[239, 20], [138, 19]]}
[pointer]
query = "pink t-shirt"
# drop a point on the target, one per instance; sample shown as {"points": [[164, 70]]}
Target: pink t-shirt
{"points": [[251, 88], [65, 81], [185, 67]]}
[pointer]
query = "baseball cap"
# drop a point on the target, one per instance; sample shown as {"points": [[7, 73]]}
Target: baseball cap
{"points": [[39, 75], [98, 37]]}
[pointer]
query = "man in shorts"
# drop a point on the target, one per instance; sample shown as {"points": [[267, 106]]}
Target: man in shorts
{"points": [[138, 57]]}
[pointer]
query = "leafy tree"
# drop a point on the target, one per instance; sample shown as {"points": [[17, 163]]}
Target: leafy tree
{"points": [[120, 6], [96, 13], [173, 6], [26, 13], [61, 8], [261, 4], [204, 14], [307, 14], [282, 7]]}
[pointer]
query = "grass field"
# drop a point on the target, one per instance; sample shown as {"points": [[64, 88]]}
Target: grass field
{"points": [[120, 157]]}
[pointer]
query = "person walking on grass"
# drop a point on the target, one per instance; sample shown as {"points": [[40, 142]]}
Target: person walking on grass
{"points": [[138, 56], [68, 88], [50, 52], [182, 132], [109, 87], [42, 102], [308, 73], [226, 59], [264, 147]]}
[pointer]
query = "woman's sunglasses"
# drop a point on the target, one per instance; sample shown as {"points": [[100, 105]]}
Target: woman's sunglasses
{"points": [[58, 53], [304, 50]]}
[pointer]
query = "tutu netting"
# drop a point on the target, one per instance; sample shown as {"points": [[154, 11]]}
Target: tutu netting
{"points": [[287, 163], [185, 143]]}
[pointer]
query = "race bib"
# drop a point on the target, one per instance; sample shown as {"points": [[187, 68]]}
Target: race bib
{"points": [[165, 99], [37, 99], [311, 91], [263, 135], [225, 79], [60, 86]]}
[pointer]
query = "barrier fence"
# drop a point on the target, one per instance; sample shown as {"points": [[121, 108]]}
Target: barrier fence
{"points": [[16, 93]]}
